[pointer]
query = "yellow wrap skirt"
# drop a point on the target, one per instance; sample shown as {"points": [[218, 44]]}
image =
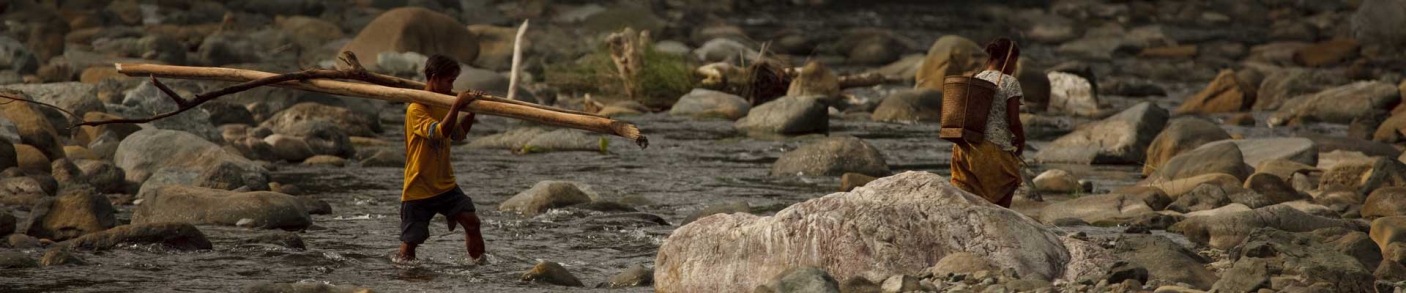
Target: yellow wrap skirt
{"points": [[986, 170]]}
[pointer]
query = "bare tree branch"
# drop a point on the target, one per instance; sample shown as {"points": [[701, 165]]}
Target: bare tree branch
{"points": [[18, 97]]}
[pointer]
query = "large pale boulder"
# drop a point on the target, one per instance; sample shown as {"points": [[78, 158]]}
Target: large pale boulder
{"points": [[949, 55], [832, 156], [896, 225], [1338, 105], [145, 152], [414, 29], [176, 203], [1120, 139], [1181, 135]]}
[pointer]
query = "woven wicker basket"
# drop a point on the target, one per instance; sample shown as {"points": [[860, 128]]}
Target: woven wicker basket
{"points": [[966, 104]]}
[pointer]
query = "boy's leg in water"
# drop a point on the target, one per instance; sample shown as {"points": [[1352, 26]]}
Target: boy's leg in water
{"points": [[473, 238]]}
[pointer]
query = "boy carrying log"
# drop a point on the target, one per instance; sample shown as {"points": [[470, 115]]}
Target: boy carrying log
{"points": [[430, 187]]}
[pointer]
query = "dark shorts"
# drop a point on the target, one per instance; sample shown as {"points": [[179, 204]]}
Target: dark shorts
{"points": [[415, 215]]}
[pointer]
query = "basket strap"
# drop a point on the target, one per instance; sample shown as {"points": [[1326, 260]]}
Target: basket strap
{"points": [[1004, 63]]}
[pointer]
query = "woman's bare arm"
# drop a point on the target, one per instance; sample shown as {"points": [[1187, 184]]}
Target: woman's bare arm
{"points": [[1013, 120]]}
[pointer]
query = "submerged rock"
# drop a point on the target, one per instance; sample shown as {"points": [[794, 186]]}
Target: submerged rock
{"points": [[546, 195], [832, 156], [16, 260], [803, 279], [634, 276], [541, 140], [728, 247], [551, 273], [59, 257], [181, 236], [303, 288], [788, 115]]}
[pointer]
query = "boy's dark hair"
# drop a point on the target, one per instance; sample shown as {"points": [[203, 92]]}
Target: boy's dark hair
{"points": [[441, 66]]}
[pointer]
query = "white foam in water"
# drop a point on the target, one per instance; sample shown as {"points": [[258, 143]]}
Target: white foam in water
{"points": [[361, 217]]}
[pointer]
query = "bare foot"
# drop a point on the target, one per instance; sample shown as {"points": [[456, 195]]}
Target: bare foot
{"points": [[402, 259]]}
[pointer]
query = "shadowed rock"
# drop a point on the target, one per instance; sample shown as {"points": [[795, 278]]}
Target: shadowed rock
{"points": [[832, 156], [1227, 230], [180, 236]]}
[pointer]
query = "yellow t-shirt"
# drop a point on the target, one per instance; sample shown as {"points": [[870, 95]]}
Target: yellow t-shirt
{"points": [[427, 167]]}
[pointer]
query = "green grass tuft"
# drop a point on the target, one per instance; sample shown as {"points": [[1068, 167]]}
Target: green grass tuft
{"points": [[663, 80]]}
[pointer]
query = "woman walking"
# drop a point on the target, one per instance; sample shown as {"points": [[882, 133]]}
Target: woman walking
{"points": [[991, 168]]}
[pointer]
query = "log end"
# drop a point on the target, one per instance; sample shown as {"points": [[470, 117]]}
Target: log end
{"points": [[630, 131]]}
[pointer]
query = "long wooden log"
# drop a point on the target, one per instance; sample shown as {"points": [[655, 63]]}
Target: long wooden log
{"points": [[491, 106]]}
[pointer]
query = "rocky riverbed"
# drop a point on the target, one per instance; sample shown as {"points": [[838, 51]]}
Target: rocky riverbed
{"points": [[1180, 146]]}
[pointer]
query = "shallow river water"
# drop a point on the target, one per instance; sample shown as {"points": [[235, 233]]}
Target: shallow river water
{"points": [[688, 166]]}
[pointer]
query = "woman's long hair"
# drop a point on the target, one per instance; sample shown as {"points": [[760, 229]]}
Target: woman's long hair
{"points": [[998, 51]]}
